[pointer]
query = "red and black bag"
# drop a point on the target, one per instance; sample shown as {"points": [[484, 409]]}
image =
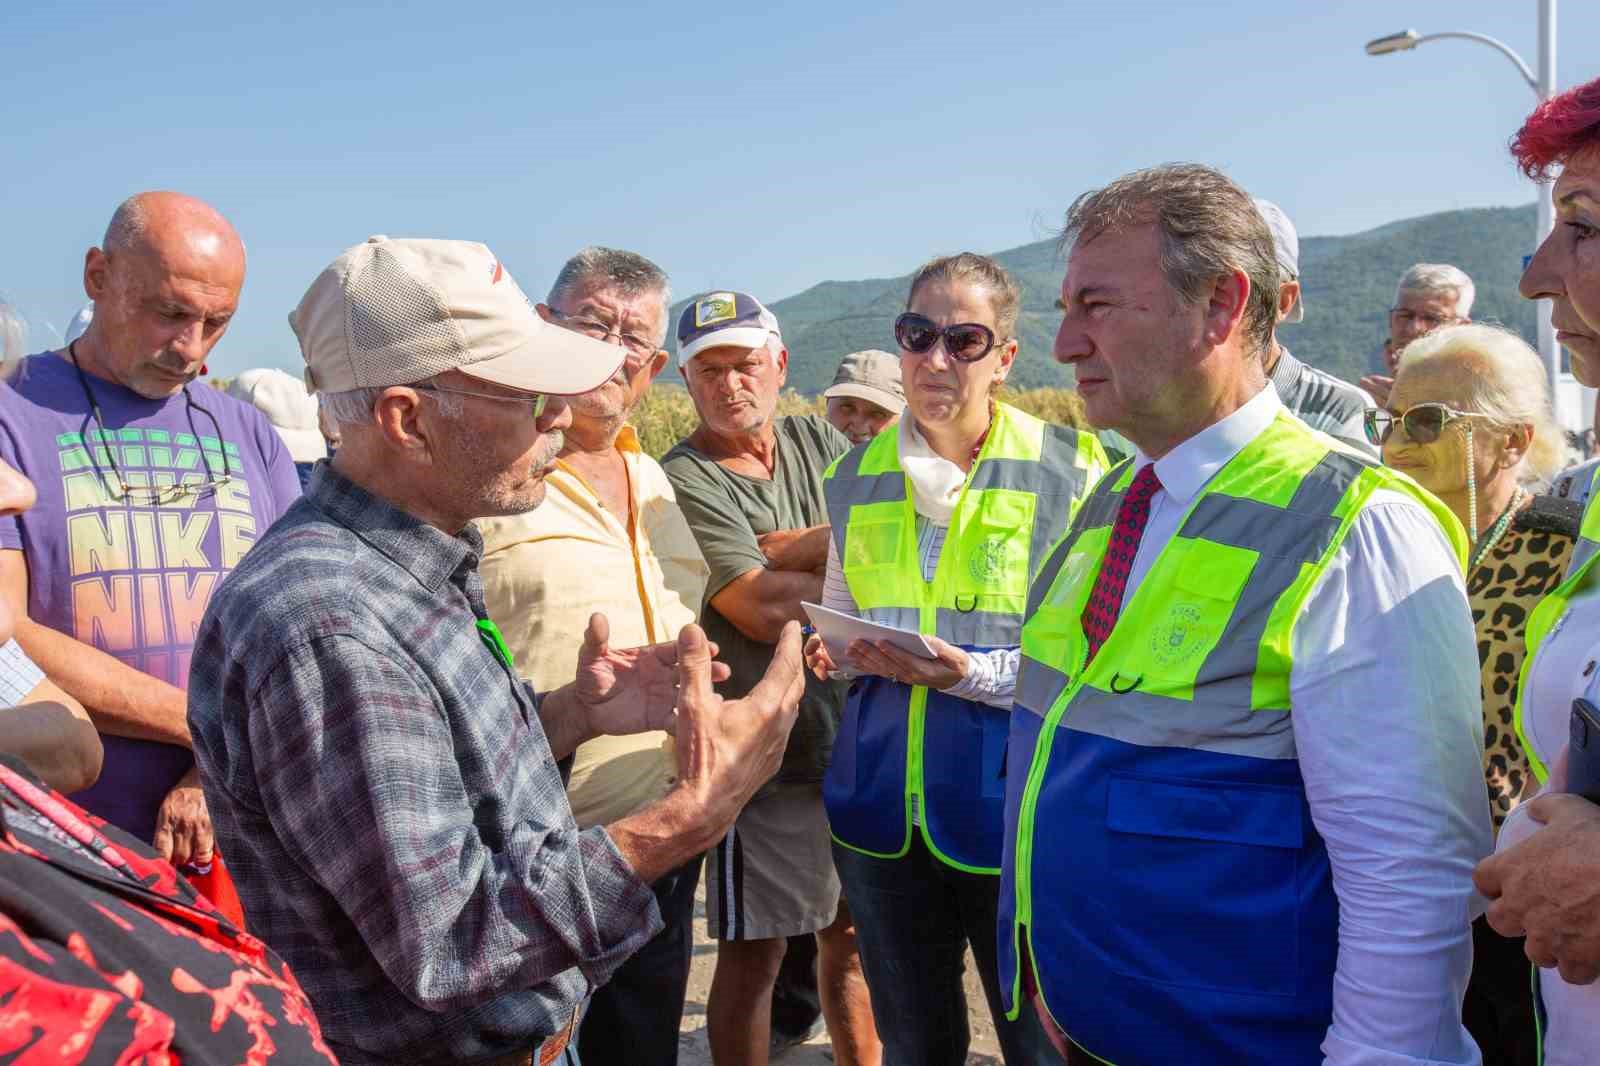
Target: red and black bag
{"points": [[108, 956]]}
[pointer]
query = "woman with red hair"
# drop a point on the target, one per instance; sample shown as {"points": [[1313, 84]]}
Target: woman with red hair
{"points": [[1544, 879]]}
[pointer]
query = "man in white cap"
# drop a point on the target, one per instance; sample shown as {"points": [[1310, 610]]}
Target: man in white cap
{"points": [[1316, 397], [750, 484], [291, 410], [385, 783], [866, 396], [79, 325]]}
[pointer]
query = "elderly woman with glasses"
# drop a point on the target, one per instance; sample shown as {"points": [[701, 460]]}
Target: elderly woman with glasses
{"points": [[938, 524], [1469, 418], [1544, 879]]}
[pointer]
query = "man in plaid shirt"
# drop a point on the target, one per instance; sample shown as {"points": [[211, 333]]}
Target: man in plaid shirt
{"points": [[383, 783]]}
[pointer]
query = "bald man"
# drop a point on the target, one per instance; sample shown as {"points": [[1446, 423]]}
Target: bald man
{"points": [[150, 488]]}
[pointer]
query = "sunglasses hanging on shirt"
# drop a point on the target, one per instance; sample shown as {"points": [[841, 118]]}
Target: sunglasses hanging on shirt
{"points": [[157, 495]]}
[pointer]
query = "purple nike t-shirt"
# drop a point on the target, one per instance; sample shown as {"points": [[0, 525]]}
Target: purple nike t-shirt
{"points": [[128, 574]]}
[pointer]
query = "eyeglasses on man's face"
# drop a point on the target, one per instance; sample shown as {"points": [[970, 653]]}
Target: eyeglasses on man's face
{"points": [[1404, 316], [639, 346], [537, 402]]}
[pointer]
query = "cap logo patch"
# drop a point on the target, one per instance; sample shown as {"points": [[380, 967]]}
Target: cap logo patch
{"points": [[499, 272], [717, 307]]}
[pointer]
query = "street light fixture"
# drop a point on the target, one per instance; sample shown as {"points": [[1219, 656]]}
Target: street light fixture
{"points": [[1395, 42], [1406, 40], [1544, 87]]}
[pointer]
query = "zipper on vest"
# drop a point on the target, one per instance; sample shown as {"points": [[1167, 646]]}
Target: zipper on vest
{"points": [[1030, 796], [915, 727], [1560, 622]]}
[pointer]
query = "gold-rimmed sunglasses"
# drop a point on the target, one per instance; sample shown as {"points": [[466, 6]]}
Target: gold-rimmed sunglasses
{"points": [[1423, 422]]}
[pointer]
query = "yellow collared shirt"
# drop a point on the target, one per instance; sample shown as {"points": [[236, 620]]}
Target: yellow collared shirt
{"points": [[546, 571]]}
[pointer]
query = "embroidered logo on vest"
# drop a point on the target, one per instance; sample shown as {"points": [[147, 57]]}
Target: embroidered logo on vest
{"points": [[988, 562], [1180, 636]]}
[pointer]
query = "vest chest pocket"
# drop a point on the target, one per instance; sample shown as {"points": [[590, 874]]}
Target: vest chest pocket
{"points": [[995, 545], [875, 554], [1185, 626]]}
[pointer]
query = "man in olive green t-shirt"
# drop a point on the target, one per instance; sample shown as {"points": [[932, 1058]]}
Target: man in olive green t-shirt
{"points": [[750, 485]]}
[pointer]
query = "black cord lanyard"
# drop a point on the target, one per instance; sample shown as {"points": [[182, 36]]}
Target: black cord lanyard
{"points": [[190, 406]]}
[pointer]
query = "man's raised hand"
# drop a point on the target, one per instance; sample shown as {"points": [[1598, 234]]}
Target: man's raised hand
{"points": [[631, 690], [729, 748]]}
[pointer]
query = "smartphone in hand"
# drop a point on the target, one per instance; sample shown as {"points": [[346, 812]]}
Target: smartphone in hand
{"points": [[1583, 754]]}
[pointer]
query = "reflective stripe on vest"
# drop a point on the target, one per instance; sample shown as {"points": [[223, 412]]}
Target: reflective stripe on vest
{"points": [[1549, 611], [1019, 497], [1176, 744], [1588, 533]]}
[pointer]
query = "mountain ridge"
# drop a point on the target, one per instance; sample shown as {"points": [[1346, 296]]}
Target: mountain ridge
{"points": [[1348, 283]]}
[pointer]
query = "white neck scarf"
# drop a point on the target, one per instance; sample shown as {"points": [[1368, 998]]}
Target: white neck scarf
{"points": [[936, 482]]}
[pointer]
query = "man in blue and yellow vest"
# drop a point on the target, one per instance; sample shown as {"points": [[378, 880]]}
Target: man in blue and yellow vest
{"points": [[1244, 796]]}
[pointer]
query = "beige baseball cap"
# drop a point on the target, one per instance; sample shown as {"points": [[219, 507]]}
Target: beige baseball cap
{"points": [[395, 312], [871, 375]]}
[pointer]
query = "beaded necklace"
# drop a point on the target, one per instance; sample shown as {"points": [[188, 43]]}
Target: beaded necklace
{"points": [[1492, 535]]}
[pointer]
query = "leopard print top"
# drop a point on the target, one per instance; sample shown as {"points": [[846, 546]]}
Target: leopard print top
{"points": [[1503, 590]]}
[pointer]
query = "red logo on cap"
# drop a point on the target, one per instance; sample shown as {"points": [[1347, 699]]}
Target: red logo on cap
{"points": [[498, 273]]}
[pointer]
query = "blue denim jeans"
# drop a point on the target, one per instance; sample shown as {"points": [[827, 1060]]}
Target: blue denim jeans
{"points": [[914, 918]]}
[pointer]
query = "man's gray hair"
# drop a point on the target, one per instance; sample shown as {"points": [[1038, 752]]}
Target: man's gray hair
{"points": [[1436, 278], [626, 273], [1209, 228], [354, 406]]}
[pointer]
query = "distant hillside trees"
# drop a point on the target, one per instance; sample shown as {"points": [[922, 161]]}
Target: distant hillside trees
{"points": [[1348, 281]]}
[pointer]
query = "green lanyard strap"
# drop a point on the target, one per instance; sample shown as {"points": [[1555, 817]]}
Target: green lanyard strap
{"points": [[491, 636]]}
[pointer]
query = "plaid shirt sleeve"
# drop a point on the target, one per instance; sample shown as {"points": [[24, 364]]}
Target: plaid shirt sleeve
{"points": [[357, 773]]}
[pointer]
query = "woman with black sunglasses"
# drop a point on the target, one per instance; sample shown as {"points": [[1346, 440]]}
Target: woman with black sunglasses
{"points": [[937, 527], [1470, 420]]}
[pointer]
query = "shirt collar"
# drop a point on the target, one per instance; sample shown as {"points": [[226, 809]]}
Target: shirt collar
{"points": [[628, 440], [425, 552], [1285, 376], [1185, 470]]}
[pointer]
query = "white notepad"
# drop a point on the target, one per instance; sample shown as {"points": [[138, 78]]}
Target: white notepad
{"points": [[838, 629]]}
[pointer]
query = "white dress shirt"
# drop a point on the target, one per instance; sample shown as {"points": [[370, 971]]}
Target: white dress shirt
{"points": [[1388, 728], [1563, 670]]}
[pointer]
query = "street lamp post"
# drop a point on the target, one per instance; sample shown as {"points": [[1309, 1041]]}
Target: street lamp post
{"points": [[1547, 212], [1543, 85]]}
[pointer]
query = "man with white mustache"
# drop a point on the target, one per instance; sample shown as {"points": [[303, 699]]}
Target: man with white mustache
{"points": [[395, 809]]}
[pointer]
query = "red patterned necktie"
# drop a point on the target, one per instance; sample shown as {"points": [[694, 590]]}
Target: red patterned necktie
{"points": [[1105, 602]]}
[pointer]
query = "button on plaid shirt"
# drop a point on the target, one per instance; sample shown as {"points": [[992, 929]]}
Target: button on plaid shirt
{"points": [[385, 796]]}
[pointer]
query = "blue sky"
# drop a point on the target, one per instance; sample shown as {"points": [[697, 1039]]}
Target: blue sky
{"points": [[758, 148]]}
